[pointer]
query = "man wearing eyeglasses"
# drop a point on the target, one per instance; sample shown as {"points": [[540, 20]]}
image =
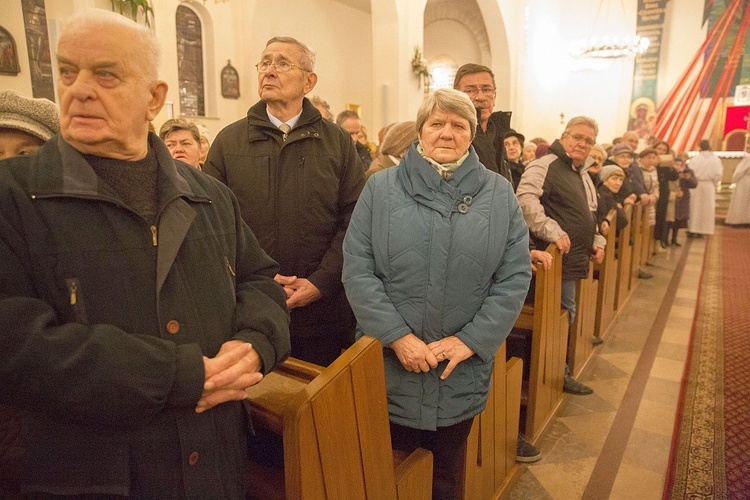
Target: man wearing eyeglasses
{"points": [[478, 82], [558, 199], [297, 178]]}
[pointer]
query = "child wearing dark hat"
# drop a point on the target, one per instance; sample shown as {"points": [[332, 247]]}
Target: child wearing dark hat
{"points": [[25, 123], [611, 178]]}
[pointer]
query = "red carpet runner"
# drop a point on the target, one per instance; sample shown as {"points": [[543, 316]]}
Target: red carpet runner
{"points": [[737, 360], [711, 447]]}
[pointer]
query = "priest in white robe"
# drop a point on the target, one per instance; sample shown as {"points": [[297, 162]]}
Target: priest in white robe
{"points": [[739, 207], [708, 170]]}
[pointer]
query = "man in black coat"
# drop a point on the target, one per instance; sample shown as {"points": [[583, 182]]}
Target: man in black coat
{"points": [[297, 178], [478, 82], [136, 306], [559, 205]]}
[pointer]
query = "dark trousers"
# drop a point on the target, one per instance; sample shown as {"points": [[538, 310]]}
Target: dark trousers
{"points": [[447, 444], [321, 349]]}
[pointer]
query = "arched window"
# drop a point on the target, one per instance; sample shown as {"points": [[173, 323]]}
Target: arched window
{"points": [[442, 72], [190, 62]]}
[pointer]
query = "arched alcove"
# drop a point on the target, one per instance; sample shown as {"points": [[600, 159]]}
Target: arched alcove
{"points": [[456, 29]]}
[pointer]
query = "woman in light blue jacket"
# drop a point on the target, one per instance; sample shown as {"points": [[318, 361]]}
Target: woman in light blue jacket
{"points": [[436, 266]]}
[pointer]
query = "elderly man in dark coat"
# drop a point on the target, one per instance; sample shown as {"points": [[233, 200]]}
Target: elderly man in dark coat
{"points": [[136, 306], [297, 178]]}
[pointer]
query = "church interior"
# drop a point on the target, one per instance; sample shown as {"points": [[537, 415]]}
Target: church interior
{"points": [[668, 416]]}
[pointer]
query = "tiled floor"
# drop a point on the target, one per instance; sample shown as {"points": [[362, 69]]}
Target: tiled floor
{"points": [[615, 443]]}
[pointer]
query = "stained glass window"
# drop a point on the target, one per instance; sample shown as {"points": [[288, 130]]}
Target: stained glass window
{"points": [[190, 62]]}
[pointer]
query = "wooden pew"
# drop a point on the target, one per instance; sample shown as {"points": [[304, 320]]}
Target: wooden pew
{"points": [[489, 463], [637, 232], [595, 297], [336, 434], [607, 271], [648, 238], [580, 346], [624, 262], [547, 323]]}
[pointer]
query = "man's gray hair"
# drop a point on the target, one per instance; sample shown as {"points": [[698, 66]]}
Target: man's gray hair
{"points": [[451, 101], [306, 54], [345, 115], [581, 120], [141, 36]]}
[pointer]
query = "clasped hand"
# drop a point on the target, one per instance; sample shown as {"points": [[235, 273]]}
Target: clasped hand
{"points": [[418, 357], [234, 368], [299, 291]]}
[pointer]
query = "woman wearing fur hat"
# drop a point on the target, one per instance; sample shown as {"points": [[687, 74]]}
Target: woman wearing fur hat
{"points": [[25, 125]]}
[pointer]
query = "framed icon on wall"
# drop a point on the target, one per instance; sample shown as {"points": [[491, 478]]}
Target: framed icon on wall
{"points": [[8, 54], [230, 82]]}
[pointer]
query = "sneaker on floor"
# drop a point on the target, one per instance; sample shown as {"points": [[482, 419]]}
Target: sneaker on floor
{"points": [[526, 452], [572, 386], [597, 341], [644, 275], [675, 244]]}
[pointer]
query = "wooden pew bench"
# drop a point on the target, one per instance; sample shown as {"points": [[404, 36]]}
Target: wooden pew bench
{"points": [[580, 337], [624, 262], [547, 324], [336, 435], [607, 277], [637, 232], [595, 298], [489, 463]]}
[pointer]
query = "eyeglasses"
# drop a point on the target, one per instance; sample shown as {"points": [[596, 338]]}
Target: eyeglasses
{"points": [[474, 91], [583, 138], [281, 66]]}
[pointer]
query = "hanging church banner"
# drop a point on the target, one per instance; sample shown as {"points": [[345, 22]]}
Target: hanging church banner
{"points": [[37, 41], [643, 108]]}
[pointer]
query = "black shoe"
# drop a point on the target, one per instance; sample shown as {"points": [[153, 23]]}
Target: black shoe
{"points": [[597, 341], [572, 386], [644, 275], [526, 452], [675, 244]]}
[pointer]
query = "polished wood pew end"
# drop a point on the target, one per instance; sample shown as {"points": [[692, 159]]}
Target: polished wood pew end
{"points": [[547, 325], [624, 262], [489, 463], [580, 346], [336, 434]]}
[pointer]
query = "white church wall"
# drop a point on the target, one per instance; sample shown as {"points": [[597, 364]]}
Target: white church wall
{"points": [[340, 35], [447, 37], [554, 86]]}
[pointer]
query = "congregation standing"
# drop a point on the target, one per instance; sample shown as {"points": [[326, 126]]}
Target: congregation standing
{"points": [[279, 247]]}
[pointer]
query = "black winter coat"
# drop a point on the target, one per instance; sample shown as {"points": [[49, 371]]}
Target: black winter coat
{"points": [[106, 319], [297, 196], [607, 202], [559, 199]]}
